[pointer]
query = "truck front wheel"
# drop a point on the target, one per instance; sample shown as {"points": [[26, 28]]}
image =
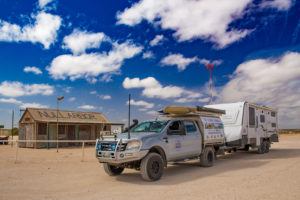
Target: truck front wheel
{"points": [[207, 158], [112, 170], [152, 167]]}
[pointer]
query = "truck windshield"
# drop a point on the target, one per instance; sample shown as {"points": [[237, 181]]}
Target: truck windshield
{"points": [[150, 126]]}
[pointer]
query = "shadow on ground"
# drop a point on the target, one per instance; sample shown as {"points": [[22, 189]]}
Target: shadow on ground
{"points": [[188, 171]]}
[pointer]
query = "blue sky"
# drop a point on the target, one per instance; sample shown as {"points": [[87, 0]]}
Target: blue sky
{"points": [[97, 52]]}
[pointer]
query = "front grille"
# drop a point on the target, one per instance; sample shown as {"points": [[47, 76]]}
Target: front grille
{"points": [[111, 146]]}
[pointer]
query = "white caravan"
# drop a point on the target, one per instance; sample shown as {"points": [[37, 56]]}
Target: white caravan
{"points": [[249, 125]]}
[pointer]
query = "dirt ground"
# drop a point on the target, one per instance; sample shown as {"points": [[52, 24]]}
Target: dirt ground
{"points": [[45, 174]]}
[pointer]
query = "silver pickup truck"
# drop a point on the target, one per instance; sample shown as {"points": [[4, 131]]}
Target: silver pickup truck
{"points": [[181, 133]]}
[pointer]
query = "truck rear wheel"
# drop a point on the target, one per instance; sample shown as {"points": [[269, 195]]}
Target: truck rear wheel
{"points": [[112, 170], [207, 158], [152, 167]]}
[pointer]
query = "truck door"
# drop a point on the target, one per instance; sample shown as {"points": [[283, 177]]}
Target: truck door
{"points": [[175, 140], [192, 140]]}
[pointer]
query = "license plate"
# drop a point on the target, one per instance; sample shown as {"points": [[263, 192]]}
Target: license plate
{"points": [[106, 154]]}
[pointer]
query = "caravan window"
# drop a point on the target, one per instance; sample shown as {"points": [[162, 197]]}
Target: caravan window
{"points": [[251, 116], [262, 119], [273, 114]]}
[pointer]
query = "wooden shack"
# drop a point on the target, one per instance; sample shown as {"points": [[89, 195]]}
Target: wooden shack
{"points": [[41, 124]]}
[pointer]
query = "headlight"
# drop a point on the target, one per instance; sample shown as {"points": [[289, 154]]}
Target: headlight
{"points": [[133, 145]]}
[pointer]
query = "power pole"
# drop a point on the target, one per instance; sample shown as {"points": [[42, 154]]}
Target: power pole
{"points": [[12, 126]]}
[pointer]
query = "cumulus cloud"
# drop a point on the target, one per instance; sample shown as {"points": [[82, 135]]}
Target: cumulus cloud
{"points": [[87, 107], [105, 97], [79, 41], [44, 30], [277, 4], [193, 19], [141, 103], [89, 66], [10, 100], [17, 89], [33, 105], [148, 55], [157, 40], [178, 60], [182, 62], [272, 82], [43, 3], [22, 104], [72, 99], [153, 89], [34, 70]]}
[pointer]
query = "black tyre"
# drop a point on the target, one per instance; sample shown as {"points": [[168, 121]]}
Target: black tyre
{"points": [[152, 167], [112, 170], [261, 148], [246, 147], [207, 158], [268, 146]]}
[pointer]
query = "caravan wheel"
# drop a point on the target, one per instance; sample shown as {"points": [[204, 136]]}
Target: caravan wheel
{"points": [[268, 146], [261, 148]]}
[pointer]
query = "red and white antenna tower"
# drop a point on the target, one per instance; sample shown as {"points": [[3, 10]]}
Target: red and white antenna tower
{"points": [[210, 68]]}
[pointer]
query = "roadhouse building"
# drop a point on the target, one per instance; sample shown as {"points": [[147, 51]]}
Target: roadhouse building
{"points": [[41, 124]]}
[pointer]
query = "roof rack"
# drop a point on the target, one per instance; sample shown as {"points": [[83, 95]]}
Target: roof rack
{"points": [[184, 110]]}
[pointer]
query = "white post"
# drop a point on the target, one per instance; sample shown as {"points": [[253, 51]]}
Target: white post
{"points": [[82, 159], [17, 147]]}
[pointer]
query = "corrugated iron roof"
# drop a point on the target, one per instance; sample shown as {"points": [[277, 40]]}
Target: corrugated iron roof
{"points": [[50, 115]]}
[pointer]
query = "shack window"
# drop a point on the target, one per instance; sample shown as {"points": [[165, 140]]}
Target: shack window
{"points": [[273, 114], [274, 125], [251, 116], [61, 129], [42, 129], [262, 119]]}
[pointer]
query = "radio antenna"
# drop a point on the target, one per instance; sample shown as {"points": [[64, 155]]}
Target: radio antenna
{"points": [[129, 101]]}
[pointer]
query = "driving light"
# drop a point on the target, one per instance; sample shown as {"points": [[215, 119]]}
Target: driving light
{"points": [[133, 145]]}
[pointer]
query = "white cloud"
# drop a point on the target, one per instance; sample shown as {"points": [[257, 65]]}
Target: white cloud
{"points": [[22, 104], [43, 3], [89, 66], [148, 55], [87, 107], [157, 40], [105, 97], [79, 41], [10, 100], [179, 60], [17, 89], [72, 99], [43, 31], [141, 103], [153, 89], [277, 4], [271, 82], [193, 19], [34, 70], [33, 105], [152, 113]]}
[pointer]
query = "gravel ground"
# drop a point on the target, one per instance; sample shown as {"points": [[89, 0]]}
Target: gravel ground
{"points": [[44, 174]]}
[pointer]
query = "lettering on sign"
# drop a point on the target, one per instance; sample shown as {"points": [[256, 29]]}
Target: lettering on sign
{"points": [[66, 115]]}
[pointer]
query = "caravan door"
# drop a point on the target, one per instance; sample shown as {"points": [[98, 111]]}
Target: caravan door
{"points": [[252, 124]]}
